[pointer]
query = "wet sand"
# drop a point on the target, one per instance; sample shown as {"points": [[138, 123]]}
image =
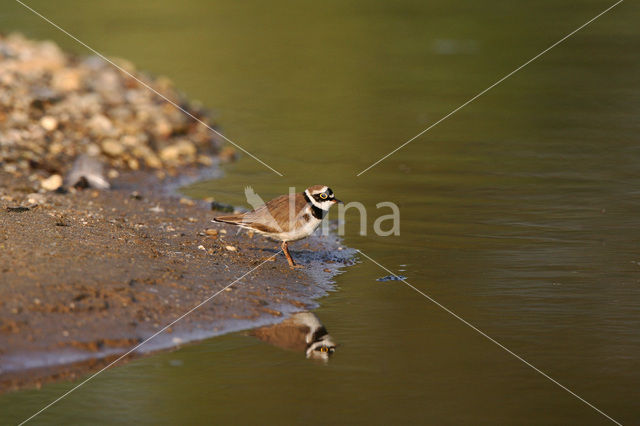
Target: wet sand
{"points": [[85, 276]]}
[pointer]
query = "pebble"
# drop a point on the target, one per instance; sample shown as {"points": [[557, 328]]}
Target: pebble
{"points": [[228, 154], [112, 147], [222, 207], [58, 107], [181, 150], [35, 198], [52, 183], [133, 164], [100, 125], [230, 248], [49, 123]]}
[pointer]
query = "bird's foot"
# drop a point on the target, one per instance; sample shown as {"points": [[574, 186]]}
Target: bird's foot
{"points": [[296, 266]]}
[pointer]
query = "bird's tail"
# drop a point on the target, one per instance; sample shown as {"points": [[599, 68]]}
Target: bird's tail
{"points": [[231, 219]]}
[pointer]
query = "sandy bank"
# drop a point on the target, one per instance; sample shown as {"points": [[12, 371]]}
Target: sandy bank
{"points": [[87, 274]]}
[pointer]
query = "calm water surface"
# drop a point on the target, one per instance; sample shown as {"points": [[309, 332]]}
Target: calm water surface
{"points": [[519, 213]]}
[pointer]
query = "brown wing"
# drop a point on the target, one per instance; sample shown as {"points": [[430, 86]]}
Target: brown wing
{"points": [[244, 221], [273, 217]]}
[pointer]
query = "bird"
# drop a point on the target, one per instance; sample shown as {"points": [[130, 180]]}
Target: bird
{"points": [[303, 331], [286, 218]]}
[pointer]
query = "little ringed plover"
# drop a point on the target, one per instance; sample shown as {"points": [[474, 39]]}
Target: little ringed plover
{"points": [[288, 217]]}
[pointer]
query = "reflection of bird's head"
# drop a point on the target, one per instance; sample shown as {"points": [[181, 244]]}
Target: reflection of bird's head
{"points": [[321, 349], [320, 345]]}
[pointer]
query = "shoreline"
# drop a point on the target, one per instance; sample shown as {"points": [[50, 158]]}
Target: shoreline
{"points": [[125, 264], [87, 274]]}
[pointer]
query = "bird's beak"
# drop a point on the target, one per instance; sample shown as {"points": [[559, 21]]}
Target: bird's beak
{"points": [[337, 201]]}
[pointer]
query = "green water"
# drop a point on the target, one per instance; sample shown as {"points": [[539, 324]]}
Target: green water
{"points": [[519, 212]]}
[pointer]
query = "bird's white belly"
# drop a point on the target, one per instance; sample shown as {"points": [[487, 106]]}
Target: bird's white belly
{"points": [[301, 232]]}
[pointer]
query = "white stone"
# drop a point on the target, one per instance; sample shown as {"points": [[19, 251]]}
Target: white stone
{"points": [[52, 183]]}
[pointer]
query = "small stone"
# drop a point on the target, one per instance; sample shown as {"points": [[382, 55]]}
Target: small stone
{"points": [[35, 198], [52, 183], [129, 140], [201, 247], [100, 125], [133, 164], [49, 123], [205, 160], [187, 202], [183, 149], [170, 153], [152, 160], [222, 207], [230, 248], [93, 150], [66, 80], [211, 231], [228, 154], [162, 128], [112, 147], [55, 148]]}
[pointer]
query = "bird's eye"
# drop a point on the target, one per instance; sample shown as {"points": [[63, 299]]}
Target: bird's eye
{"points": [[324, 349], [323, 196]]}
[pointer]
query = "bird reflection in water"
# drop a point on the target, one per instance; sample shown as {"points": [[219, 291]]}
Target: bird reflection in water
{"points": [[300, 332]]}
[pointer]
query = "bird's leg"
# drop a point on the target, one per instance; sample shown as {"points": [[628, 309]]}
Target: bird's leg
{"points": [[285, 249]]}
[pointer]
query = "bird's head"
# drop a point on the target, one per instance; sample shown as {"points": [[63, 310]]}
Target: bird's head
{"points": [[321, 196]]}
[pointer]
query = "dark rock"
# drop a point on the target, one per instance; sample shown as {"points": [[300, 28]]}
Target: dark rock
{"points": [[222, 207]]}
